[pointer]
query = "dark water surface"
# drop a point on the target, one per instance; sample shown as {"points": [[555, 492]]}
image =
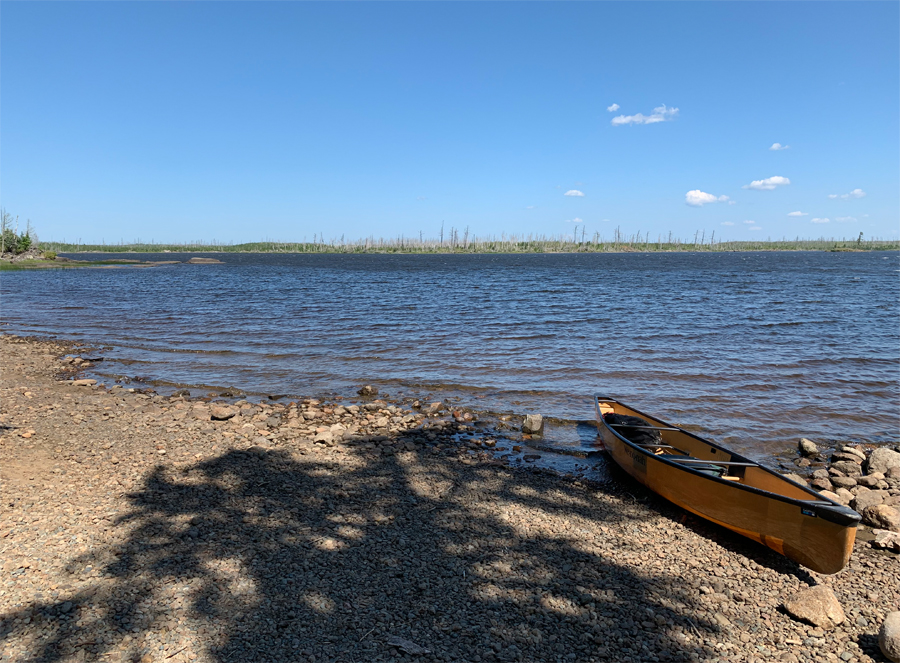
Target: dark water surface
{"points": [[756, 349]]}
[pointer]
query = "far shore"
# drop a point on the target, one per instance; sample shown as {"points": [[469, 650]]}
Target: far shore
{"points": [[460, 244], [169, 528]]}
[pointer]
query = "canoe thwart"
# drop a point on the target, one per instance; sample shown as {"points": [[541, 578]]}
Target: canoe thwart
{"points": [[645, 427]]}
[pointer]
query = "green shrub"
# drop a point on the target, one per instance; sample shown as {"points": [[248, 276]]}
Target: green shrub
{"points": [[23, 244], [49, 255]]}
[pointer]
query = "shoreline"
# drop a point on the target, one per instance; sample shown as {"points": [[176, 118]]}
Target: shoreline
{"points": [[141, 527]]}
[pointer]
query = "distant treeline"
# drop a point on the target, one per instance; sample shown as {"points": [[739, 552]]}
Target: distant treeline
{"points": [[457, 242]]}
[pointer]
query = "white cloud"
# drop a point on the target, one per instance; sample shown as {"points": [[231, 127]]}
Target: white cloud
{"points": [[613, 108], [575, 220], [818, 220], [574, 192], [750, 222], [767, 184], [698, 198], [727, 223], [845, 219], [778, 146], [754, 228], [659, 114], [529, 207], [798, 213], [420, 197], [856, 193]]}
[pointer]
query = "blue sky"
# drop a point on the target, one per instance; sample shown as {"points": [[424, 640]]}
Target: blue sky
{"points": [[240, 121]]}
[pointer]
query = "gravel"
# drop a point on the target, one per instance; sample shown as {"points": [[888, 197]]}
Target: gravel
{"points": [[137, 528]]}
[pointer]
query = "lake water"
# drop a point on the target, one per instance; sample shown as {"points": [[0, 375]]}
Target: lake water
{"points": [[754, 349]]}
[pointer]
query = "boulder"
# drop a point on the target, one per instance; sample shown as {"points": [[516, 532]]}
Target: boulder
{"points": [[821, 474], [808, 447], [848, 467], [219, 412], [889, 637], [892, 473], [886, 540], [882, 517], [843, 482], [821, 484], [533, 424], [881, 460], [831, 496], [368, 391], [816, 605], [845, 496], [84, 383], [869, 481], [866, 498]]}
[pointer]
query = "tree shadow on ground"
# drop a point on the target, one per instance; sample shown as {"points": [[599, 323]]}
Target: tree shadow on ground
{"points": [[267, 556], [623, 483]]}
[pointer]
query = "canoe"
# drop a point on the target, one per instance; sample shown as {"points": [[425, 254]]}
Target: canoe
{"points": [[727, 488]]}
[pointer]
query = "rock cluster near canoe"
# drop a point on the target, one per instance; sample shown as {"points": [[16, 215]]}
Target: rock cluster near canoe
{"points": [[138, 527], [864, 478]]}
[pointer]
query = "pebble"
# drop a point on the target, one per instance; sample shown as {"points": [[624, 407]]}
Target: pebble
{"points": [[245, 540]]}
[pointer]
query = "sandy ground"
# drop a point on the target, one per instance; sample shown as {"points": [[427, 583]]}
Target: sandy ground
{"points": [[135, 528]]}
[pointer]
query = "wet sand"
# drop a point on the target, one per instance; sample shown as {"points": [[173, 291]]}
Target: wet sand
{"points": [[137, 528]]}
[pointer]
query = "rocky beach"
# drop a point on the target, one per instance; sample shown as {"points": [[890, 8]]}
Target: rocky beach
{"points": [[143, 527]]}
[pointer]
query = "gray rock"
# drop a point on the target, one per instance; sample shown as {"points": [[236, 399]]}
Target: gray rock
{"points": [[868, 481], [325, 438], [219, 412], [407, 646], [821, 484], [796, 478], [889, 637], [533, 424], [843, 482], [84, 383], [368, 391], [840, 455], [848, 467], [820, 474], [892, 473], [808, 447], [866, 498], [882, 517], [816, 605], [881, 460]]}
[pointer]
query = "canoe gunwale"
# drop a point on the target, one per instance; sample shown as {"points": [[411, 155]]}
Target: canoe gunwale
{"points": [[824, 507]]}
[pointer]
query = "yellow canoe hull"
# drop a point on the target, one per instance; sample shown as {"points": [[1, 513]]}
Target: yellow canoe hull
{"points": [[751, 500]]}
